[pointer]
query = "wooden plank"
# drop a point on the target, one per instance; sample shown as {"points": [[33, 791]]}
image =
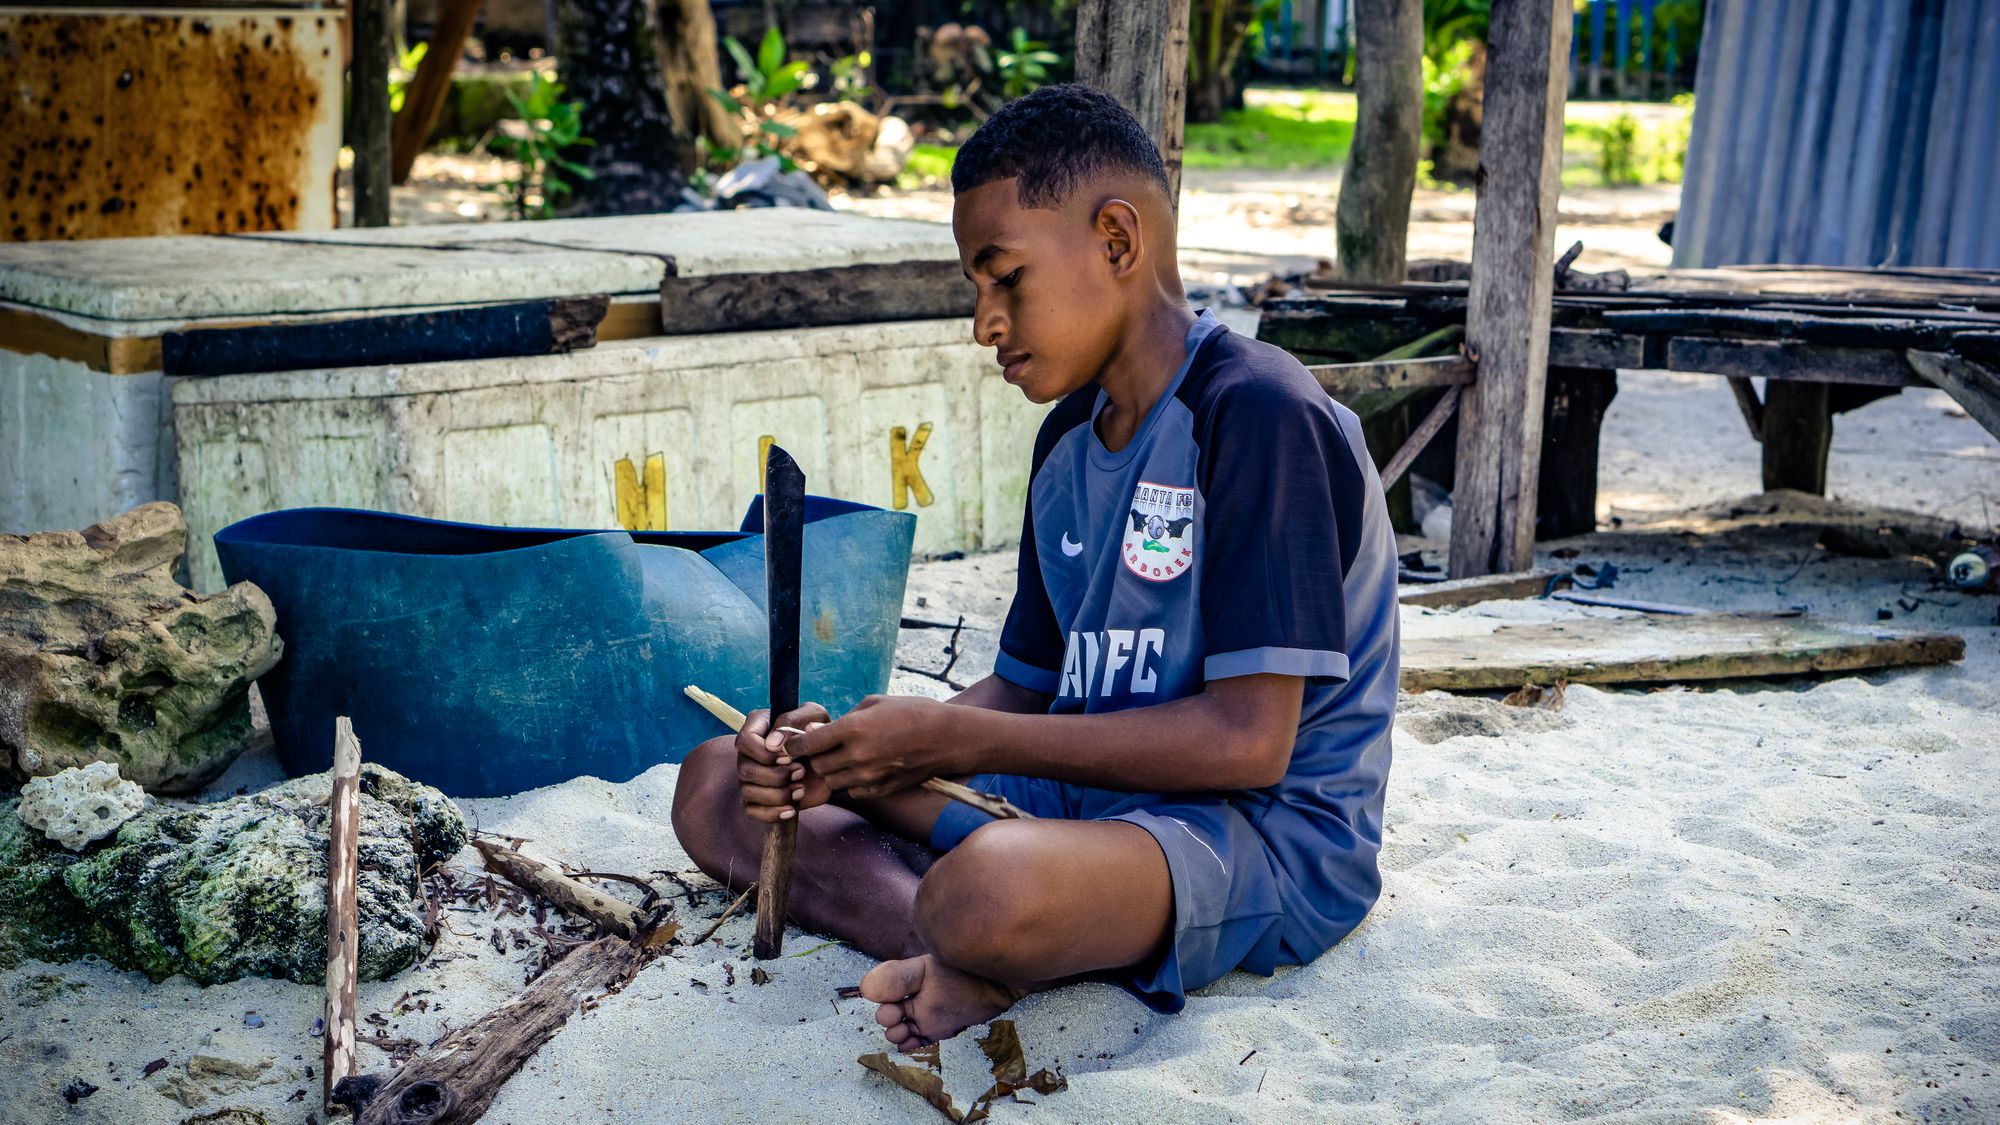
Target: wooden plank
{"points": [[1889, 285], [1790, 360], [1748, 404], [858, 294], [368, 111], [628, 319], [1758, 322], [1344, 380], [425, 95], [472, 332], [27, 332], [1662, 649], [1508, 304], [1596, 348], [1458, 592]]}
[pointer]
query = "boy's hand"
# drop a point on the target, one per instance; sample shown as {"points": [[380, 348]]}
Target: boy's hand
{"points": [[885, 745], [775, 787]]}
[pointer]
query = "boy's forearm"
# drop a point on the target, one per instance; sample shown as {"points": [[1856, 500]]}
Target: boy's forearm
{"points": [[995, 693], [1236, 735]]}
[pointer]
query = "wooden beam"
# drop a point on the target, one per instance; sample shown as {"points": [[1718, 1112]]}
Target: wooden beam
{"points": [[424, 97], [860, 294], [1747, 402], [1572, 421], [1458, 592], [1136, 51], [28, 332], [1513, 278], [1790, 361], [368, 112], [560, 324], [1972, 385], [1342, 380], [1421, 437]]}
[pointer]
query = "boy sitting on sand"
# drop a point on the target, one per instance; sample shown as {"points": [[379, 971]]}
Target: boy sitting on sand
{"points": [[1196, 680]]}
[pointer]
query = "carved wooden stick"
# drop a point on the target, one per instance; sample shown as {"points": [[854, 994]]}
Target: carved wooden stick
{"points": [[997, 807], [342, 918], [540, 877]]}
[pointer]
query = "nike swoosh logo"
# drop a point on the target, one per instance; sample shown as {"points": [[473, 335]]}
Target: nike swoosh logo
{"points": [[1069, 548]]}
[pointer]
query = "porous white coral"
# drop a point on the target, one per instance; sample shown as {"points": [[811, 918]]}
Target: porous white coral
{"points": [[80, 804]]}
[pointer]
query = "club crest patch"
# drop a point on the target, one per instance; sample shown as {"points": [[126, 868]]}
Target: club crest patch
{"points": [[1159, 532]]}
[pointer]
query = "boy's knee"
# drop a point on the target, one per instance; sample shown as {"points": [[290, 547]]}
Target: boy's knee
{"points": [[982, 902], [706, 786]]}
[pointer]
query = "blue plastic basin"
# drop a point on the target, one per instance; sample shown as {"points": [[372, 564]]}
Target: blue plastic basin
{"points": [[489, 660]]}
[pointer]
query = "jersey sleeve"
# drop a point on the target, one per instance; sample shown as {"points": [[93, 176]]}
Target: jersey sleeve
{"points": [[1280, 486]]}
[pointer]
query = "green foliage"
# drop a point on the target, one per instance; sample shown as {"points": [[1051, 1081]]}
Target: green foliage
{"points": [[1307, 130], [850, 77], [403, 72], [1444, 77], [928, 166], [768, 77], [1449, 24], [549, 127], [1025, 68], [1618, 150]]}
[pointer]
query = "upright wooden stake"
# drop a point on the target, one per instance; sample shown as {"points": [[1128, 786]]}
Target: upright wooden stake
{"points": [[1136, 51], [1798, 435], [427, 89], [368, 115], [343, 949], [1507, 316]]}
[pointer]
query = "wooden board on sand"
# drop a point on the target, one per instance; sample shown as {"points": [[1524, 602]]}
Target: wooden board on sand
{"points": [[1631, 650]]}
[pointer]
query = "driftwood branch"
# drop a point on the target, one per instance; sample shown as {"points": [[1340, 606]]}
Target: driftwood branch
{"points": [[342, 913], [996, 807], [459, 1076], [540, 877], [1426, 430]]}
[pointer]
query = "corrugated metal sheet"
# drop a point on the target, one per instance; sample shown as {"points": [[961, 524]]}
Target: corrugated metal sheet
{"points": [[1845, 132]]}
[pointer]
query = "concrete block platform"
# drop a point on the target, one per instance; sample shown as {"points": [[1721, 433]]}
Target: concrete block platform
{"points": [[645, 430]]}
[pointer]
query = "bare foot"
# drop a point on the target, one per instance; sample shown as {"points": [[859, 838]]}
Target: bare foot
{"points": [[923, 1000]]}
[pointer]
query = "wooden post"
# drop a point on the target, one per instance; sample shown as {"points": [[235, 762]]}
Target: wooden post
{"points": [[1136, 51], [343, 948], [1798, 433], [1513, 277], [1572, 419], [432, 82], [1372, 217], [684, 39], [368, 114]]}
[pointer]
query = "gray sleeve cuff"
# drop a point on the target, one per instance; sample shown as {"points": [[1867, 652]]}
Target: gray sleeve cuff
{"points": [[1028, 676], [1306, 662]]}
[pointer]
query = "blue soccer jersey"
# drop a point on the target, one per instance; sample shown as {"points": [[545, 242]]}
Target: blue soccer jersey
{"points": [[1242, 530]]}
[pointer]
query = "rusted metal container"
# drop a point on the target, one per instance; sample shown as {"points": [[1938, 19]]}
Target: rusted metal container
{"points": [[168, 120]]}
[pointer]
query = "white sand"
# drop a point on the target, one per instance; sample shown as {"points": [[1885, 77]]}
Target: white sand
{"points": [[1771, 902]]}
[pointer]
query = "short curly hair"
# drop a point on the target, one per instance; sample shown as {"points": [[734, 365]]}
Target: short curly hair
{"points": [[1054, 140]]}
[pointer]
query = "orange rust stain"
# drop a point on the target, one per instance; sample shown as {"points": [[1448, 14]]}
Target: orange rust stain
{"points": [[115, 124]]}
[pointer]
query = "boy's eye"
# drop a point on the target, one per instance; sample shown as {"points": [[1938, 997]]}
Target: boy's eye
{"points": [[1008, 281]]}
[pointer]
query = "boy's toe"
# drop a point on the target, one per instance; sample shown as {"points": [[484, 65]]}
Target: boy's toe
{"points": [[892, 982]]}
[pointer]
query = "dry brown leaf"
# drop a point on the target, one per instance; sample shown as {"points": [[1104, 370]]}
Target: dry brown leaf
{"points": [[1002, 1045], [662, 935], [927, 1084], [1539, 697], [759, 976]]}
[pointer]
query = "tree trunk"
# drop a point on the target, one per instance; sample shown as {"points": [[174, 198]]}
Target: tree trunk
{"points": [[610, 63], [1219, 29], [689, 69], [1137, 51], [1372, 219]]}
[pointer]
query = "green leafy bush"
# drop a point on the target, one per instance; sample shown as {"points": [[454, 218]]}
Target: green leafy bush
{"points": [[1025, 68], [549, 126], [1618, 150]]}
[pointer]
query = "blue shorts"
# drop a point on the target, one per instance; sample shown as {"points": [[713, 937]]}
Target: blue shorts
{"points": [[1227, 893]]}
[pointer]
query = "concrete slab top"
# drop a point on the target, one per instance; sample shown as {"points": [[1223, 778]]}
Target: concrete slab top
{"points": [[753, 240], [234, 276], [204, 276]]}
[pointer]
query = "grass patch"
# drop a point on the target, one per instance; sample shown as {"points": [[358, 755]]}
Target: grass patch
{"points": [[1276, 129], [928, 166]]}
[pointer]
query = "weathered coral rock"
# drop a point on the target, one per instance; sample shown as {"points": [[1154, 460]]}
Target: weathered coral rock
{"points": [[104, 657], [81, 804], [231, 889]]}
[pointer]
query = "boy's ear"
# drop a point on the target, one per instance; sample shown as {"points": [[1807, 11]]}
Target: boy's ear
{"points": [[1118, 234]]}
